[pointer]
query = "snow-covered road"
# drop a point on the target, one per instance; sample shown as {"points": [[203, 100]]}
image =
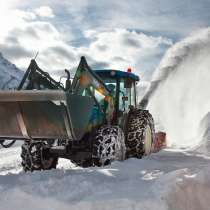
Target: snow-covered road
{"points": [[166, 180]]}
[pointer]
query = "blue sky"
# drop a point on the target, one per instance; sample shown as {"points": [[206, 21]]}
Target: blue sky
{"points": [[111, 34]]}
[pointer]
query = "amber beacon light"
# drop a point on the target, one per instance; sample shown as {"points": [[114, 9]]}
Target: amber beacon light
{"points": [[129, 70]]}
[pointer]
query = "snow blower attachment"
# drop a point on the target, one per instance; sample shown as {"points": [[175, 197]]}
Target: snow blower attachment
{"points": [[92, 120]]}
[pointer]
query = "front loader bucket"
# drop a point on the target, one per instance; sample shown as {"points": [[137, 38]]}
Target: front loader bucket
{"points": [[40, 115], [31, 114]]}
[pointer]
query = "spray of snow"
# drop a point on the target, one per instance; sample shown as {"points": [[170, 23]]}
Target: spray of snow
{"points": [[179, 95]]}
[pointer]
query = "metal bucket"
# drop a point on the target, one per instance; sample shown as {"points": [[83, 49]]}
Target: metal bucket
{"points": [[33, 114]]}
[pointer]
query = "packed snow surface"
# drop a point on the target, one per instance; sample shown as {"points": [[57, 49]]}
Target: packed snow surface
{"points": [[166, 180], [173, 179]]}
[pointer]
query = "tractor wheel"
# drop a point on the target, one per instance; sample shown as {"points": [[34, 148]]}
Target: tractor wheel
{"points": [[34, 157], [108, 145], [140, 133]]}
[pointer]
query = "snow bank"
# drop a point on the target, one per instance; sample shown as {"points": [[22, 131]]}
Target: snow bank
{"points": [[191, 192], [150, 183], [179, 96]]}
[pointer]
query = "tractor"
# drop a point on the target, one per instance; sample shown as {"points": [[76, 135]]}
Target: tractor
{"points": [[92, 120]]}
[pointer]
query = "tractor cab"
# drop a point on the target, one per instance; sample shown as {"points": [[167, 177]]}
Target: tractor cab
{"points": [[113, 92], [122, 86]]}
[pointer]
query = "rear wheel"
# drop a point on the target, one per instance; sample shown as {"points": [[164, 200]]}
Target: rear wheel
{"points": [[35, 157], [140, 133], [108, 145]]}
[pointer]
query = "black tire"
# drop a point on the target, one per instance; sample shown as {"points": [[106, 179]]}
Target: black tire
{"points": [[108, 145], [33, 157], [140, 133]]}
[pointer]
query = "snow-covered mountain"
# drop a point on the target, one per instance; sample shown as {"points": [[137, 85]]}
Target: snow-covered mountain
{"points": [[10, 75]]}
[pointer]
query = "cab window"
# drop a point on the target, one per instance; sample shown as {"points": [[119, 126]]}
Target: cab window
{"points": [[126, 94]]}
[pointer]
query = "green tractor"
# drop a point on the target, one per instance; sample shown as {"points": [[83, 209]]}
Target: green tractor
{"points": [[93, 120]]}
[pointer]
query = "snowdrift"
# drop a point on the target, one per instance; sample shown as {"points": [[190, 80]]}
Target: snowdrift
{"points": [[166, 180], [179, 96]]}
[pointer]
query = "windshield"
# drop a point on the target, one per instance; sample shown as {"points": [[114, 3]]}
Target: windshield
{"points": [[126, 93], [110, 84]]}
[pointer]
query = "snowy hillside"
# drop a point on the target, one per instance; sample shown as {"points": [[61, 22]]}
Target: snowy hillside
{"points": [[10, 75]]}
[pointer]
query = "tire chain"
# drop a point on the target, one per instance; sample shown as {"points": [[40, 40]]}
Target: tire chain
{"points": [[32, 156], [137, 121], [108, 145]]}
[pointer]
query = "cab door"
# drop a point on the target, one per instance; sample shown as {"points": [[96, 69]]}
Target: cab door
{"points": [[127, 94]]}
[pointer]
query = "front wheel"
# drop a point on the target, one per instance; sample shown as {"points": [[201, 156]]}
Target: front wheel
{"points": [[35, 157], [108, 145]]}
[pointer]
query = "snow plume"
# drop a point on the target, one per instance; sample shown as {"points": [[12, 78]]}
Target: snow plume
{"points": [[179, 94]]}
